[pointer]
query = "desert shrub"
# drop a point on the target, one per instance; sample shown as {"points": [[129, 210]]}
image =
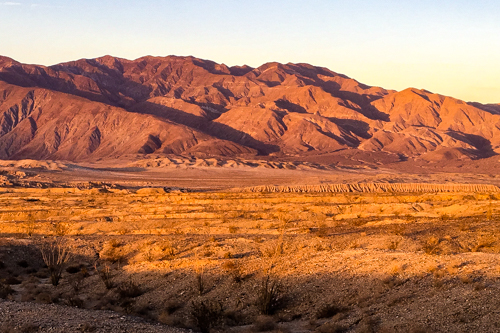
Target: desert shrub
{"points": [[200, 281], [44, 298], [149, 255], [106, 276], [234, 270], [234, 318], [329, 310], [129, 289], [61, 229], [171, 306], [75, 301], [114, 243], [76, 281], [268, 250], [55, 255], [168, 249], [264, 324], [30, 225], [87, 327], [269, 296], [431, 245], [393, 245], [207, 314], [5, 290]]}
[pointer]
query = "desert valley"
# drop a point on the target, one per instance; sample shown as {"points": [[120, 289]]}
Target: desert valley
{"points": [[176, 194]]}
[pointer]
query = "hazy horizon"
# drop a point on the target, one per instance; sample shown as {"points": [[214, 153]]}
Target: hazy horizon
{"points": [[447, 47]]}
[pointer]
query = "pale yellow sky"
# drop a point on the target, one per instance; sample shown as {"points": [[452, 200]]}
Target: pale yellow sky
{"points": [[450, 47]]}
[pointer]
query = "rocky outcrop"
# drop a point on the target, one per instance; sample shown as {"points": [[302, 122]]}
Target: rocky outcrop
{"points": [[378, 188]]}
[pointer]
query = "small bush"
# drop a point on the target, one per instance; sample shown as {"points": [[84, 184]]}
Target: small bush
{"points": [[200, 281], [129, 290], [171, 307], [61, 229], [76, 302], [76, 281], [270, 296], [431, 246], [329, 310], [234, 270], [44, 298], [87, 327], [5, 290], [106, 276], [168, 249], [30, 225], [207, 314], [264, 324], [55, 255]]}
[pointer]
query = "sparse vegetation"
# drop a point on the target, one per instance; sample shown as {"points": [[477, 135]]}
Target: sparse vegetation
{"points": [[177, 249], [207, 314], [55, 255], [269, 295]]}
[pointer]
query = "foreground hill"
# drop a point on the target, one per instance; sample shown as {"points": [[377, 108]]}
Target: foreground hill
{"points": [[107, 107]]}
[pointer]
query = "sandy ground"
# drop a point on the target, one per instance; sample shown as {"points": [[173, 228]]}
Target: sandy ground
{"points": [[380, 262]]}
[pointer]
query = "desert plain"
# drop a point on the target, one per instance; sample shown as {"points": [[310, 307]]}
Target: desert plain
{"points": [[246, 248]]}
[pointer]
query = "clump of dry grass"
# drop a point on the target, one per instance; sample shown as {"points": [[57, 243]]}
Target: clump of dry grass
{"points": [[270, 295], [234, 270], [129, 289], [329, 310], [431, 245], [207, 314], [105, 275]]}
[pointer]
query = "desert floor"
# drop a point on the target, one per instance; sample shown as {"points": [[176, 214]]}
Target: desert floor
{"points": [[236, 261]]}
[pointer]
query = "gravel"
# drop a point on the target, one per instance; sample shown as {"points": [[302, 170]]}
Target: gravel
{"points": [[31, 317]]}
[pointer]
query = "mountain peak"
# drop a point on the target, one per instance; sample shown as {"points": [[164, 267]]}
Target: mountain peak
{"points": [[109, 107]]}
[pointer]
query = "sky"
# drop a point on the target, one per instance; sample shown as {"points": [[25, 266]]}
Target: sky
{"points": [[451, 47]]}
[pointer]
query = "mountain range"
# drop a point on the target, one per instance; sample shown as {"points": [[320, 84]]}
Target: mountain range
{"points": [[109, 107]]}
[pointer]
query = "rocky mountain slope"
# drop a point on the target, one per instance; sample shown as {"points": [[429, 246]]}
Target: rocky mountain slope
{"points": [[109, 107]]}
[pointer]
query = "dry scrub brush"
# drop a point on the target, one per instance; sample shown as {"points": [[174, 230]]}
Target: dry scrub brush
{"points": [[270, 295], [55, 254], [207, 314]]}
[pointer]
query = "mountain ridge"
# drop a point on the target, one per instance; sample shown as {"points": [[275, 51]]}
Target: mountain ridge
{"points": [[107, 107]]}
